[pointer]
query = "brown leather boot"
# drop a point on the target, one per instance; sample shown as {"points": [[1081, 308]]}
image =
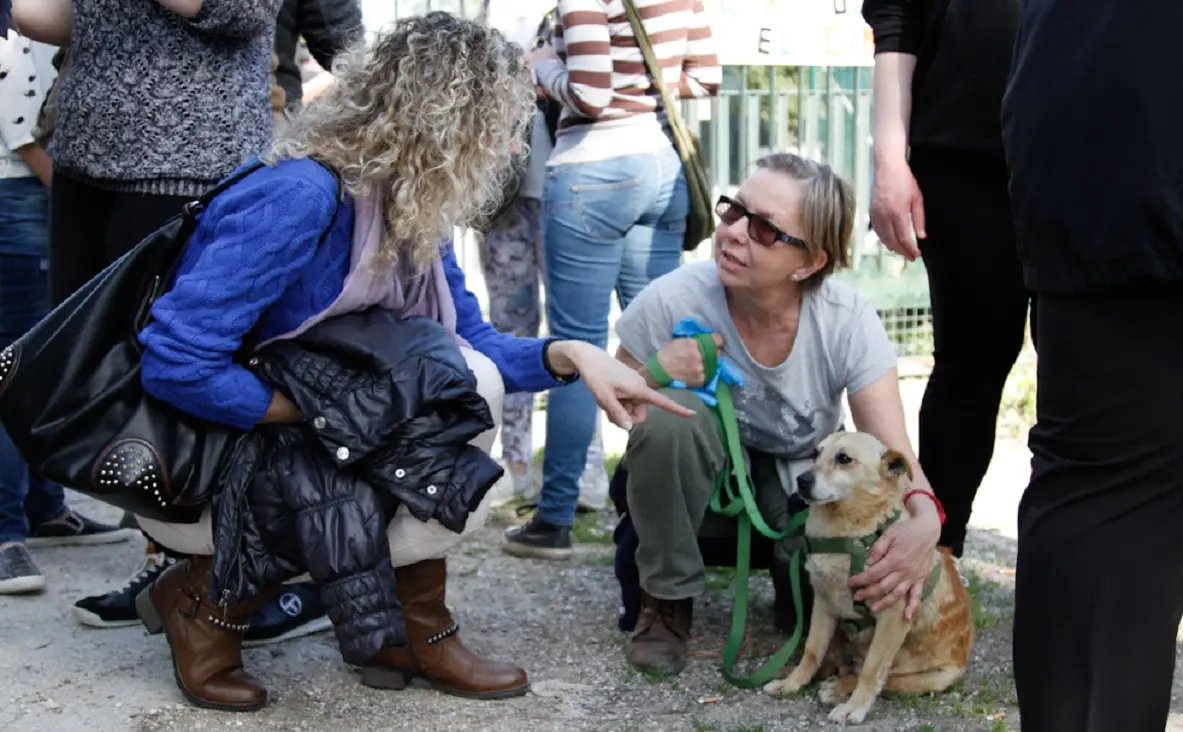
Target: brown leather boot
{"points": [[662, 630], [434, 651], [205, 638]]}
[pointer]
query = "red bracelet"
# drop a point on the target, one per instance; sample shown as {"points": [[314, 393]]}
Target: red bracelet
{"points": [[930, 496]]}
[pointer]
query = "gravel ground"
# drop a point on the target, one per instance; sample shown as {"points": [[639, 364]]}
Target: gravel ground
{"points": [[558, 620]]}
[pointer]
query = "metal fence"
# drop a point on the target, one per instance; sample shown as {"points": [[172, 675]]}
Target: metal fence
{"points": [[824, 114]]}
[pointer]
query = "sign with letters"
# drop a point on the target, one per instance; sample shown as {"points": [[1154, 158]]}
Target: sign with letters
{"points": [[791, 32], [747, 32]]}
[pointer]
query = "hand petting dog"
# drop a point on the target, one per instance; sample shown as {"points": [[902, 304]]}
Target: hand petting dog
{"points": [[899, 563]]}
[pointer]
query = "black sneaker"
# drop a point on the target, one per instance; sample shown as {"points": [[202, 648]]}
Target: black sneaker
{"points": [[538, 539], [297, 611], [18, 574], [117, 608], [76, 529]]}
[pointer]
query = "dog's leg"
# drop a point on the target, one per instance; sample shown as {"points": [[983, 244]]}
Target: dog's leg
{"points": [[890, 632], [834, 660], [932, 681], [821, 631], [836, 689]]}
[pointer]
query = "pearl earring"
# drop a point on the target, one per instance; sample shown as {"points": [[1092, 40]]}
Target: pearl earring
{"points": [[796, 277]]}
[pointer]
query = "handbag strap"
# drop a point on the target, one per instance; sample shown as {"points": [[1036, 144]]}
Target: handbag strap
{"points": [[193, 209], [654, 67]]}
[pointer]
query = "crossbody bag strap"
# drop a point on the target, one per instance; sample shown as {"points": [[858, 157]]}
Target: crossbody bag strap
{"points": [[672, 112]]}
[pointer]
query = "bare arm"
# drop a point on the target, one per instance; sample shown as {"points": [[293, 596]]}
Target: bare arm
{"points": [[47, 21], [281, 411], [899, 563], [20, 105], [38, 161], [583, 81], [629, 360], [893, 107], [897, 206], [317, 86], [228, 18], [701, 73], [879, 410], [185, 8]]}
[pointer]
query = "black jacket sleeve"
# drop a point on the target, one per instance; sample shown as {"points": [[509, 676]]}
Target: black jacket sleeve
{"points": [[328, 27], [896, 25]]}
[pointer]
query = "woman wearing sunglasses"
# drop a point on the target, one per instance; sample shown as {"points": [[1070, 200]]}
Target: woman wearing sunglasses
{"points": [[800, 339]]}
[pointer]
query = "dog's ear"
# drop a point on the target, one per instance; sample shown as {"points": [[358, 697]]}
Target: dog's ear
{"points": [[895, 465]]}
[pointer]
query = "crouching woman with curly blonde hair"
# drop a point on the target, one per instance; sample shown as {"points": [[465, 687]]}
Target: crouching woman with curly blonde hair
{"points": [[420, 129]]}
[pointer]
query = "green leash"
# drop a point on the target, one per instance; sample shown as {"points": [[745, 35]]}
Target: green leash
{"points": [[733, 497]]}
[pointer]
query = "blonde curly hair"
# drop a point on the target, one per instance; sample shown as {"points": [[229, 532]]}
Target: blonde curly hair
{"points": [[426, 117]]}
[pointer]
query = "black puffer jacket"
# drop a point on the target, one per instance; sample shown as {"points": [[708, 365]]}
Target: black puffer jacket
{"points": [[391, 407]]}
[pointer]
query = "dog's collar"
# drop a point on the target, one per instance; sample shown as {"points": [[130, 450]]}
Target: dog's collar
{"points": [[857, 547]]}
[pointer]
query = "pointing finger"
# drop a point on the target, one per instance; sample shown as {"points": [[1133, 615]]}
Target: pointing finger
{"points": [[658, 399]]}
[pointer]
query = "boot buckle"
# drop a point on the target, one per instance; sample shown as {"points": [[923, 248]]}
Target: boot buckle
{"points": [[444, 634]]}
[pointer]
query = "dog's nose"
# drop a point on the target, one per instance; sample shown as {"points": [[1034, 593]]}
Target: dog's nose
{"points": [[805, 483]]}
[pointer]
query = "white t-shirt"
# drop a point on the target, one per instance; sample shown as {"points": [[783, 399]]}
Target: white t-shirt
{"points": [[26, 75], [787, 409]]}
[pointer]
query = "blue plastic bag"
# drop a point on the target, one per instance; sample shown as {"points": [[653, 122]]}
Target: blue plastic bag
{"points": [[726, 370]]}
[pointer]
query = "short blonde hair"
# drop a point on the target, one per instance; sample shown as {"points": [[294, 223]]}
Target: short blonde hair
{"points": [[827, 213], [426, 117]]}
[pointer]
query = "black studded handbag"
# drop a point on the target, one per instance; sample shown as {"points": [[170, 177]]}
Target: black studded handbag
{"points": [[72, 401]]}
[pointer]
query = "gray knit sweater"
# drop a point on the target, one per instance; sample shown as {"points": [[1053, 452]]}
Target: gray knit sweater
{"points": [[159, 104]]}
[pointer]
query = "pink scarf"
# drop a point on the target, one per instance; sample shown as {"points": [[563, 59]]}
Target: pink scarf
{"points": [[397, 288]]}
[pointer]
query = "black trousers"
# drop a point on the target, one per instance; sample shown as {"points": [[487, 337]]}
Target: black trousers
{"points": [[979, 316], [89, 228], [1100, 572]]}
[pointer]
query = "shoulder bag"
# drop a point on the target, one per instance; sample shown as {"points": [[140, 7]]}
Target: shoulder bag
{"points": [[72, 401]]}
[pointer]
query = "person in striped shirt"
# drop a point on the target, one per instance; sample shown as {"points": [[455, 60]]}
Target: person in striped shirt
{"points": [[615, 204]]}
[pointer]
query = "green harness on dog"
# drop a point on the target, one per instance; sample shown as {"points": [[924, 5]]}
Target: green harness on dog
{"points": [[857, 547], [733, 497]]}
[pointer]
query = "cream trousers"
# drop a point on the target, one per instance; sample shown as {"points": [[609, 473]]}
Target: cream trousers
{"points": [[411, 540]]}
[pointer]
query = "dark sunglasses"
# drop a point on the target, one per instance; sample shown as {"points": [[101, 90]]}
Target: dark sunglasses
{"points": [[760, 230]]}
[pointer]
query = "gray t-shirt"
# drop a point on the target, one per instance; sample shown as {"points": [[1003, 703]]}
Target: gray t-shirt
{"points": [[784, 410]]}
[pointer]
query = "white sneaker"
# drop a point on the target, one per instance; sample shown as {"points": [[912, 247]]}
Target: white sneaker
{"points": [[593, 490]]}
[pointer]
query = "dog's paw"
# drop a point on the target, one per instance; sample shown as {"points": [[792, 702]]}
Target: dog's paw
{"points": [[791, 684], [849, 713], [782, 687], [832, 692]]}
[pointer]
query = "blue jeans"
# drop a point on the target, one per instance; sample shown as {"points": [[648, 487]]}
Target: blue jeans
{"points": [[610, 225], [24, 300]]}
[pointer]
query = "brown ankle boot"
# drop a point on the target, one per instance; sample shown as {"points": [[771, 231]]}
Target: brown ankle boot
{"points": [[205, 638], [434, 651], [662, 630]]}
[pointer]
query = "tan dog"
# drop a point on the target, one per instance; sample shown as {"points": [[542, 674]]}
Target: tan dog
{"points": [[853, 490]]}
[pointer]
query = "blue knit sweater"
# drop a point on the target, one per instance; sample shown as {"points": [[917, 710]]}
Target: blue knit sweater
{"points": [[256, 248]]}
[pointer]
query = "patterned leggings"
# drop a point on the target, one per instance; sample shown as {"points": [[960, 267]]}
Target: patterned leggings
{"points": [[511, 258]]}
